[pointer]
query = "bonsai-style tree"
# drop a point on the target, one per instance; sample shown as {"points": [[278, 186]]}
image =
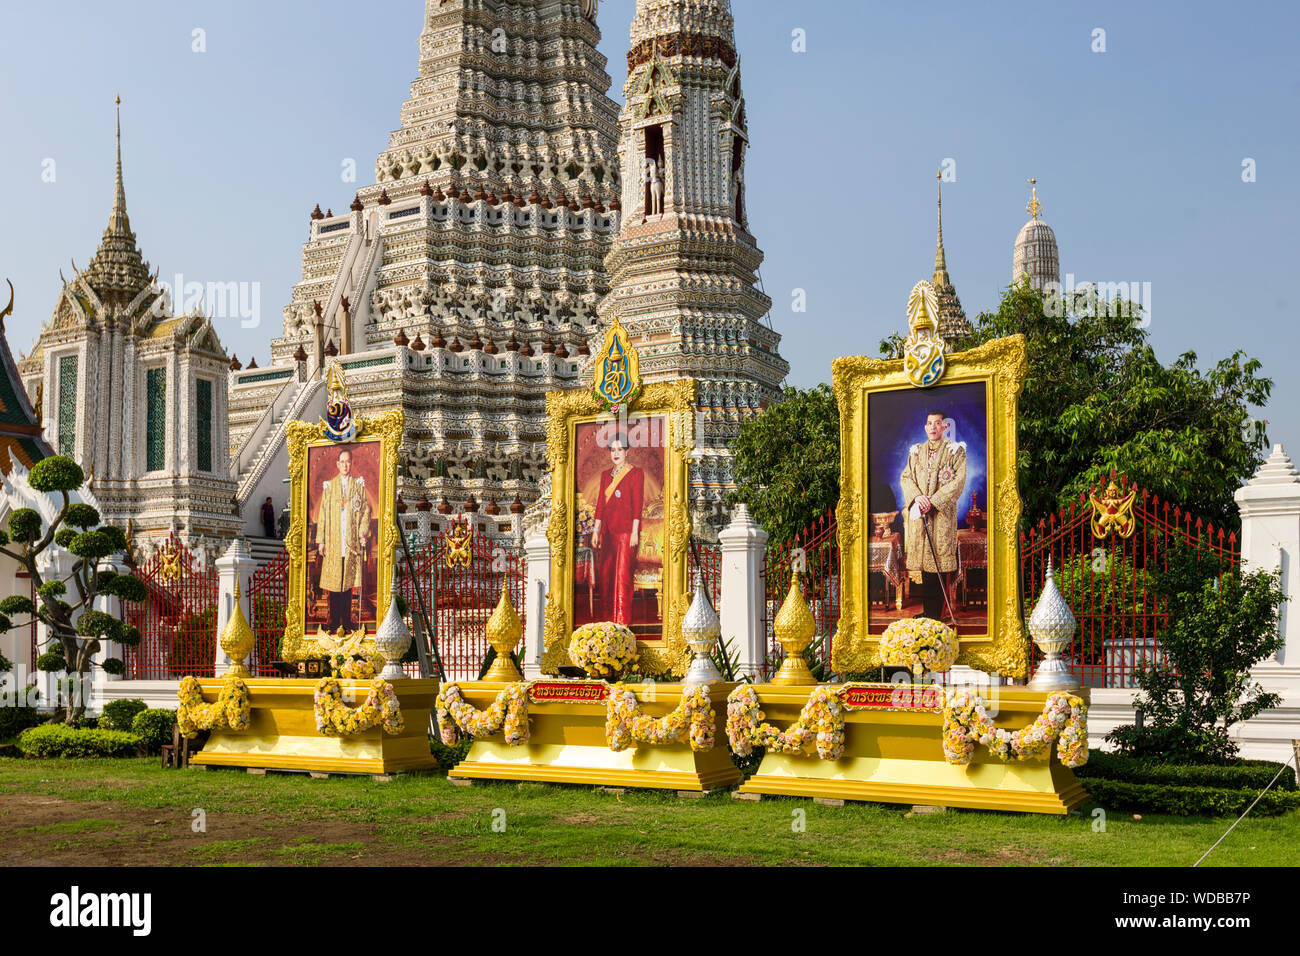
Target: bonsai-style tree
{"points": [[77, 630]]}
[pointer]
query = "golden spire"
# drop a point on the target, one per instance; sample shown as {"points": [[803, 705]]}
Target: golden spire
{"points": [[503, 632], [1035, 207], [120, 221], [237, 639], [795, 628]]}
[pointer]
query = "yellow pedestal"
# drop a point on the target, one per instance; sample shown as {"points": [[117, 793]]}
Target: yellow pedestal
{"points": [[896, 756], [283, 734], [567, 742]]}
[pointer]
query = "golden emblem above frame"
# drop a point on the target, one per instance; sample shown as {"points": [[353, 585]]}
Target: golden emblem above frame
{"points": [[675, 403], [1002, 366], [387, 430]]}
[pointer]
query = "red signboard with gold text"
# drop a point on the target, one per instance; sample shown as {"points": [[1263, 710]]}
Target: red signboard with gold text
{"points": [[568, 692], [922, 697]]}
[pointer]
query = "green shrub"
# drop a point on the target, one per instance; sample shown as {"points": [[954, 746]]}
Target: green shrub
{"points": [[59, 740], [154, 727], [14, 720], [448, 757], [1186, 801], [118, 714], [1241, 775]]}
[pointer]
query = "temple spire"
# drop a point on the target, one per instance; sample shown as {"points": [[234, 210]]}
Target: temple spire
{"points": [[940, 259], [118, 220], [118, 272]]}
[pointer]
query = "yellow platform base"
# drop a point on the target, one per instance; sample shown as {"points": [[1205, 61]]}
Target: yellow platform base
{"points": [[567, 742], [896, 756], [283, 734]]}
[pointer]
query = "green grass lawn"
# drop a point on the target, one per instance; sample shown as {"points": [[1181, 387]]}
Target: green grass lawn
{"points": [[130, 812]]}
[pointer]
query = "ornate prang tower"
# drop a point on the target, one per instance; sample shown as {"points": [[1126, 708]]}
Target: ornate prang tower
{"points": [[462, 285], [953, 326], [684, 266], [1035, 254]]}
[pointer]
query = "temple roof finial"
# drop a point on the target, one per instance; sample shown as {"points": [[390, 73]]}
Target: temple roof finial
{"points": [[1034, 208]]}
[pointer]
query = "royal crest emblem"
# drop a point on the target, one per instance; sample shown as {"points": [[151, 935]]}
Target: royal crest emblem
{"points": [[338, 424], [617, 375], [923, 360]]}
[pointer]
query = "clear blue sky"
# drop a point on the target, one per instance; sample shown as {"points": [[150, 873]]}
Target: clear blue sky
{"points": [[1138, 152]]}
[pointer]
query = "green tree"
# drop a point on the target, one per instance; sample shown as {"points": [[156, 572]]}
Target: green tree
{"points": [[1220, 625], [787, 461], [77, 630], [1097, 400]]}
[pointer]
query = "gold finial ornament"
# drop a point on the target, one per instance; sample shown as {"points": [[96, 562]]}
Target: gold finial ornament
{"points": [[503, 632], [923, 360], [237, 640], [795, 628], [1035, 207]]}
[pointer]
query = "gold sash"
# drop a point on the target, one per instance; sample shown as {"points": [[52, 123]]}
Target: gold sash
{"points": [[614, 483]]}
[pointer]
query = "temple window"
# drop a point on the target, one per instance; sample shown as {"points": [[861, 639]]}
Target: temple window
{"points": [[155, 419], [68, 405]]}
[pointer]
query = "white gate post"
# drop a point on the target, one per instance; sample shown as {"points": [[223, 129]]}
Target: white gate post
{"points": [[1270, 538], [233, 566], [744, 545], [537, 551]]}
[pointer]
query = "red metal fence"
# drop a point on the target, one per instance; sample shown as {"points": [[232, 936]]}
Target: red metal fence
{"points": [[815, 551], [268, 590], [459, 596], [1109, 580], [177, 619]]}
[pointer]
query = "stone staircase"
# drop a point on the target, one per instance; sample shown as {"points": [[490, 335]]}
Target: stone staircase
{"points": [[263, 550]]}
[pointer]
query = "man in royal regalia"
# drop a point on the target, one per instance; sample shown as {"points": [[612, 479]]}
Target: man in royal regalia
{"points": [[932, 481], [342, 526], [616, 536]]}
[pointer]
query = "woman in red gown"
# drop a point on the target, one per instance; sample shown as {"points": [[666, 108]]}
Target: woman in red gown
{"points": [[616, 536]]}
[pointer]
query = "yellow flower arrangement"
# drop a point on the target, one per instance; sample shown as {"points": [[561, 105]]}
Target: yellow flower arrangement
{"points": [[336, 719], [509, 710], [625, 723], [821, 721], [354, 667], [1064, 720], [603, 650], [919, 644], [232, 711]]}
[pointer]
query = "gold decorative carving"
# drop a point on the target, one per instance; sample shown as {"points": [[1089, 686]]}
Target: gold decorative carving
{"points": [[1112, 513], [1002, 365], [301, 436], [675, 402]]}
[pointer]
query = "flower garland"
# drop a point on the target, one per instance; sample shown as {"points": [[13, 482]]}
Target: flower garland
{"points": [[1064, 719], [603, 650], [336, 719], [509, 710], [821, 720], [232, 711], [919, 644], [353, 667], [625, 724]]}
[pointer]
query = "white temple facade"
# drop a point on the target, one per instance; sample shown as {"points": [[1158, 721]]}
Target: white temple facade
{"points": [[135, 394], [462, 286], [684, 268]]}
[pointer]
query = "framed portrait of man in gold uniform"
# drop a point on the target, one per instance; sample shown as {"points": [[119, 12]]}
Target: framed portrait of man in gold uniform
{"points": [[929, 504], [342, 534]]}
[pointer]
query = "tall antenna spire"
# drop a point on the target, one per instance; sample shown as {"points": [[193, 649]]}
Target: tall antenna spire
{"points": [[940, 259]]}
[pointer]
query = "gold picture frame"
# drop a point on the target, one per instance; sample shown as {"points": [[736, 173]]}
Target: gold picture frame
{"points": [[1002, 365], [675, 402], [386, 429]]}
